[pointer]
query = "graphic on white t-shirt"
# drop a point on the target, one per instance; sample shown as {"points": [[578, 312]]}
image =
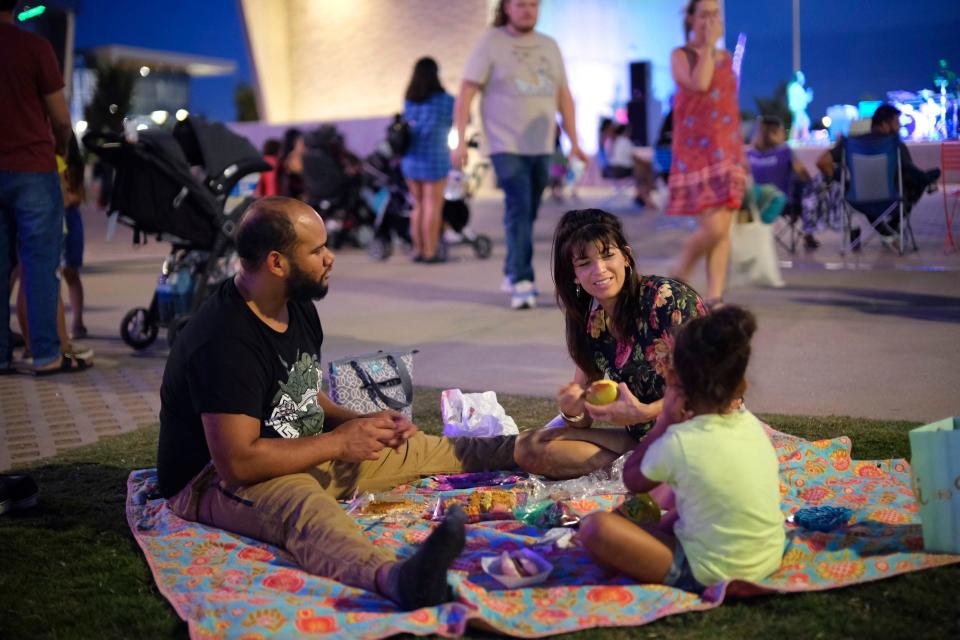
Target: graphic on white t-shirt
{"points": [[296, 412], [538, 79]]}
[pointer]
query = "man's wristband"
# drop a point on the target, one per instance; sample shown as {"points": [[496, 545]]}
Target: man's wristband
{"points": [[573, 419]]}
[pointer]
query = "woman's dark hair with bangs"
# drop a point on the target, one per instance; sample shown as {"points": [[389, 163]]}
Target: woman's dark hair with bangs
{"points": [[577, 230]]}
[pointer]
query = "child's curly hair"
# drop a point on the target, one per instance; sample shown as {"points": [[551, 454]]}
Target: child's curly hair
{"points": [[711, 354]]}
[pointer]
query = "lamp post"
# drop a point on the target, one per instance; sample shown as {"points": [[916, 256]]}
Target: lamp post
{"points": [[796, 35]]}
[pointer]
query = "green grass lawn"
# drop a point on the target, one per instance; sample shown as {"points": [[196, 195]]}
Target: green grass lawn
{"points": [[71, 569]]}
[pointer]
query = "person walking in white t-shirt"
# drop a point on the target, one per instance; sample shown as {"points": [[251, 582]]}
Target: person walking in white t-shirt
{"points": [[521, 78]]}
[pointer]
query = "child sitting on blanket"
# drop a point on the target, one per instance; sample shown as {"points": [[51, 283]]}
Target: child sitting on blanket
{"points": [[715, 456]]}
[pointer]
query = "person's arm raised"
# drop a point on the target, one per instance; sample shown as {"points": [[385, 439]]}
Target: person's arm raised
{"points": [[696, 75], [242, 457]]}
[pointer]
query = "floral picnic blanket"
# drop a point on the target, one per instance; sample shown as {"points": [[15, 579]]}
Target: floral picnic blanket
{"points": [[227, 586]]}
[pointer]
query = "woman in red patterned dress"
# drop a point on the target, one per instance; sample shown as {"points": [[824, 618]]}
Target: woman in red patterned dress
{"points": [[708, 174]]}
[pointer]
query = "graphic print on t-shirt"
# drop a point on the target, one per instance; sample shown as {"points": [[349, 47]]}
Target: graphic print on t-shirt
{"points": [[535, 67], [296, 412]]}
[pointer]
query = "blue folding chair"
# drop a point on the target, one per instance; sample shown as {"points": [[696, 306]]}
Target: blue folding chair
{"points": [[872, 184]]}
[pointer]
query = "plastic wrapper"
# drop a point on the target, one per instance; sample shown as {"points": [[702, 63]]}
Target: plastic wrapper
{"points": [[474, 414], [483, 504], [469, 480], [546, 514], [385, 508], [559, 537], [606, 481], [517, 569]]}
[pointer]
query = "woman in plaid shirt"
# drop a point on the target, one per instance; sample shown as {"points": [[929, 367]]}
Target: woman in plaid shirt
{"points": [[428, 109]]}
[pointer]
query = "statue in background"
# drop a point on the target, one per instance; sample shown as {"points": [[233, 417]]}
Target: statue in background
{"points": [[798, 98]]}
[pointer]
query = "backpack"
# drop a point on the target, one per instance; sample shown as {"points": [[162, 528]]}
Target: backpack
{"points": [[399, 135]]}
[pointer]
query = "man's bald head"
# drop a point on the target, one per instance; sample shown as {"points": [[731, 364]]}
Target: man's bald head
{"points": [[269, 225]]}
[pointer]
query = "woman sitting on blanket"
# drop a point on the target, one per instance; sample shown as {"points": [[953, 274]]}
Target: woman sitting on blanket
{"points": [[719, 462], [618, 325]]}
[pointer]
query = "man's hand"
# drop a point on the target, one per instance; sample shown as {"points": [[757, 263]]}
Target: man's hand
{"points": [[577, 152], [364, 438], [403, 428], [623, 411]]}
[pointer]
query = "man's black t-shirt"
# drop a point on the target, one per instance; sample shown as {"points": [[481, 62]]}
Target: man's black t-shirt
{"points": [[227, 360]]}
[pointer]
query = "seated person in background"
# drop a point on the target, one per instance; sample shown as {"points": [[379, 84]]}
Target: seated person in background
{"points": [[719, 462], [622, 162], [604, 136], [886, 122], [772, 162], [251, 444]]}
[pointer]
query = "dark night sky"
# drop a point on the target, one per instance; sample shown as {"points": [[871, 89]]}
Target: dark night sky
{"points": [[850, 48], [204, 27]]}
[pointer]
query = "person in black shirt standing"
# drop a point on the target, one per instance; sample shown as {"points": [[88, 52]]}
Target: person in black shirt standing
{"points": [[250, 443]]}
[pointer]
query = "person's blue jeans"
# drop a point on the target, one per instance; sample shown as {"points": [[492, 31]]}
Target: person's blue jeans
{"points": [[523, 179], [31, 223]]}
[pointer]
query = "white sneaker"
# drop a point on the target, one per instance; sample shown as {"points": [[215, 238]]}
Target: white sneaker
{"points": [[524, 296]]}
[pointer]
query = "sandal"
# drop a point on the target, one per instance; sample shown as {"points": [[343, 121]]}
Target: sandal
{"points": [[68, 364]]}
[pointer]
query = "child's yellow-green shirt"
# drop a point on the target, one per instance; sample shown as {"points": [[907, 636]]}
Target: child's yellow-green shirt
{"points": [[724, 472]]}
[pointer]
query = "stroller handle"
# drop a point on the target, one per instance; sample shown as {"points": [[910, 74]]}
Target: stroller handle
{"points": [[103, 143]]}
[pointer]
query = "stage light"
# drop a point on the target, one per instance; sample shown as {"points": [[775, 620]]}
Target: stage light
{"points": [[31, 12], [826, 121], [453, 140], [159, 116], [182, 115], [81, 127], [144, 71]]}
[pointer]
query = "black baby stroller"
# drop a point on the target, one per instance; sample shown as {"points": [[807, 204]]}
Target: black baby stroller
{"points": [[456, 207], [176, 186], [332, 179], [386, 194]]}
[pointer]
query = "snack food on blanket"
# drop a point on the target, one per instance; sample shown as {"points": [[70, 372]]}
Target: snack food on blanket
{"points": [[383, 507], [487, 504], [546, 514], [517, 568]]}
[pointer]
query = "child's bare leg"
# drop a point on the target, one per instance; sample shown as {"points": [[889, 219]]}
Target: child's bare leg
{"points": [[613, 541]]}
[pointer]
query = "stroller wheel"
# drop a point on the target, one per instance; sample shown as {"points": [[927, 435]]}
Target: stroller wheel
{"points": [[175, 328], [137, 329], [482, 247], [379, 249]]}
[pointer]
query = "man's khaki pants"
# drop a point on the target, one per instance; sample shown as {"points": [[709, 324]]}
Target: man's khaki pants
{"points": [[299, 512]]}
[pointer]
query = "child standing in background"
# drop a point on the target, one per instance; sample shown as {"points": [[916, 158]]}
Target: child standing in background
{"points": [[71, 181]]}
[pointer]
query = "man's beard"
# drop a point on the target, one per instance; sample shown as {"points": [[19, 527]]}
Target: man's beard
{"points": [[523, 29], [302, 288]]}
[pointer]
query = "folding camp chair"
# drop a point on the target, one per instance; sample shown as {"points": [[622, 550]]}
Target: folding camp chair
{"points": [[872, 184], [621, 185], [950, 167]]}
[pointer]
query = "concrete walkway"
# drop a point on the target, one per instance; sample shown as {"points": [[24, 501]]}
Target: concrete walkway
{"points": [[877, 335]]}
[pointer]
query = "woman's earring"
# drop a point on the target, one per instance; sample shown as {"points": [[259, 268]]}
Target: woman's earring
{"points": [[578, 289]]}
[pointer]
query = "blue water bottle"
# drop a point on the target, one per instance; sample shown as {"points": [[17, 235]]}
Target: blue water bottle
{"points": [[165, 309]]}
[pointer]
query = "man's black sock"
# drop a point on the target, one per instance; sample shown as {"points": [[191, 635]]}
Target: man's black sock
{"points": [[421, 579]]}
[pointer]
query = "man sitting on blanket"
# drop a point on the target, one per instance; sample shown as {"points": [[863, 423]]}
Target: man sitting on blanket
{"points": [[249, 442]]}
